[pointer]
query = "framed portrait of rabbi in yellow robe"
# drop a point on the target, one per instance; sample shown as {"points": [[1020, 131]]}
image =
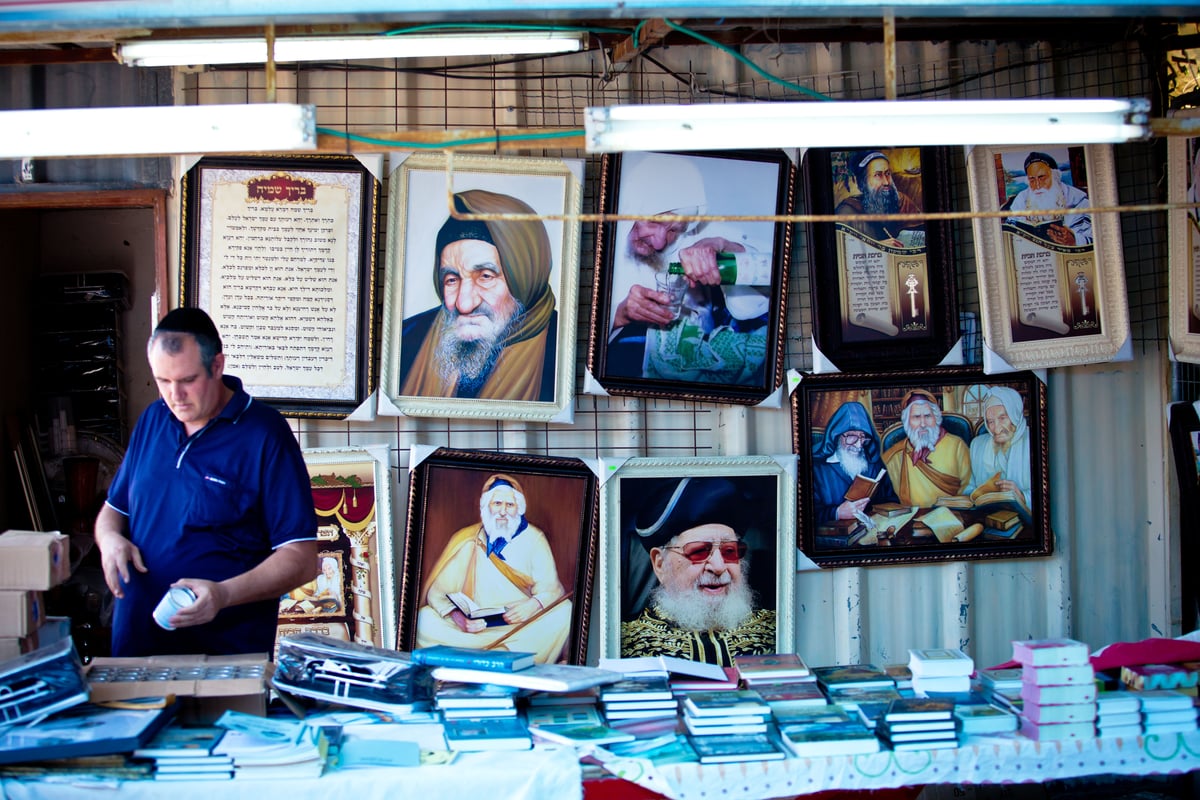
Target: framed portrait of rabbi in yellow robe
{"points": [[479, 310]]}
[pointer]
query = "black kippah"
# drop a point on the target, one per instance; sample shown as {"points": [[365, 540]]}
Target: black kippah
{"points": [[454, 230], [190, 320], [1044, 158]]}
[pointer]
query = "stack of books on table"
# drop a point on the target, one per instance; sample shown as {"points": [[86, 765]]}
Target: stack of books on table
{"points": [[1118, 714], [862, 689], [575, 725], [979, 719], [902, 676], [475, 734], [1058, 689], [940, 670], [918, 723], [186, 754], [755, 670], [475, 700], [265, 748], [681, 673], [1002, 686], [1143, 677], [828, 730], [1167, 712], [725, 713], [639, 699]]}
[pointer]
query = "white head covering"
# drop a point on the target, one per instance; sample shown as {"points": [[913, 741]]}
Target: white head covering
{"points": [[1012, 403]]}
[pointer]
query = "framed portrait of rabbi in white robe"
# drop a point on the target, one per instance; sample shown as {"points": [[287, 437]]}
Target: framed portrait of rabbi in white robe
{"points": [[479, 308], [1050, 265]]}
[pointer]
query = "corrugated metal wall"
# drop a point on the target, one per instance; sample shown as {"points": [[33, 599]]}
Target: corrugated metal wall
{"points": [[1110, 577]]}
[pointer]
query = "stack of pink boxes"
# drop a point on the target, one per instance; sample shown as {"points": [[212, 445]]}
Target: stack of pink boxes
{"points": [[1058, 687]]}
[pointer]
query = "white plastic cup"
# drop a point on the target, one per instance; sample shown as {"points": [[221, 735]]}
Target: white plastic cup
{"points": [[176, 599]]}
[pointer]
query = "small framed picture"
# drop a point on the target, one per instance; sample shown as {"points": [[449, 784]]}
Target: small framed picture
{"points": [[933, 465], [280, 251], [698, 557], [883, 290], [1183, 236], [1051, 274], [480, 304], [353, 597], [684, 308], [499, 553]]}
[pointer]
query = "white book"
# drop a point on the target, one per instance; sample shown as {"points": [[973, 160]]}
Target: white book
{"points": [[539, 677], [932, 662]]}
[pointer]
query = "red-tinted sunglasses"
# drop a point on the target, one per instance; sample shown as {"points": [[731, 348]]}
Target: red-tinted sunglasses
{"points": [[699, 552]]}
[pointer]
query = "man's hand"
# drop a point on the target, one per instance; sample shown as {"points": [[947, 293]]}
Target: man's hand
{"points": [[465, 623], [522, 611], [644, 305], [700, 259], [1060, 234], [211, 597], [1006, 485], [848, 507], [116, 551]]}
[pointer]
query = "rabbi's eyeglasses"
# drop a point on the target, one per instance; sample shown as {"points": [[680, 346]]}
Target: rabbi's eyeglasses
{"points": [[699, 552]]}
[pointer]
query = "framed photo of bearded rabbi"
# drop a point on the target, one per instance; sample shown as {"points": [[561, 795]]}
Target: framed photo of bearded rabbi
{"points": [[280, 251], [937, 465], [698, 557], [883, 290], [482, 277], [1049, 259], [690, 286], [499, 553]]}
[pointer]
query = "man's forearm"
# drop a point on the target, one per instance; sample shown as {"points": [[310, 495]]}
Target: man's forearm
{"points": [[285, 569]]}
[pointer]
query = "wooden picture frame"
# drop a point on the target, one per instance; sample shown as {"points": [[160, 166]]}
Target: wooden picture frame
{"points": [[553, 557], [528, 372], [752, 494], [1046, 303], [1183, 426], [353, 598], [724, 345], [280, 251], [966, 498], [883, 294], [1183, 238]]}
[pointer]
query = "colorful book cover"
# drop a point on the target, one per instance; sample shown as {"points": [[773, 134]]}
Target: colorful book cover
{"points": [[175, 741], [918, 709], [742, 701], [724, 749], [487, 734], [852, 675], [591, 734], [770, 667], [1159, 676], [792, 694]]}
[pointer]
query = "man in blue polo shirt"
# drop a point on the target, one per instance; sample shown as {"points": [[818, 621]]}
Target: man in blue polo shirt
{"points": [[213, 495]]}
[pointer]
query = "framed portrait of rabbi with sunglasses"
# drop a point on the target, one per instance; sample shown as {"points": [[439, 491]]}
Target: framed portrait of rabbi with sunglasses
{"points": [[696, 561]]}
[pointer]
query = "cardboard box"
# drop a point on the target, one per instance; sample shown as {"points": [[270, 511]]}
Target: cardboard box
{"points": [[206, 686], [34, 560], [52, 629], [20, 613]]}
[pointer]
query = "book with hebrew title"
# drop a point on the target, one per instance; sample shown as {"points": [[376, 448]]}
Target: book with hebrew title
{"points": [[441, 655]]}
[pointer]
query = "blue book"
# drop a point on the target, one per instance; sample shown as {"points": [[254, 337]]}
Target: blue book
{"points": [[441, 655], [487, 734]]}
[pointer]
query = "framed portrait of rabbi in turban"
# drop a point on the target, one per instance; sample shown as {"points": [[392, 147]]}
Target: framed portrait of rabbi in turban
{"points": [[697, 557], [479, 309], [1051, 270]]}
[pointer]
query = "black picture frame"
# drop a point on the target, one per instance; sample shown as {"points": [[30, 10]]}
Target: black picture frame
{"points": [[717, 358], [892, 332], [561, 496], [290, 282], [905, 495]]}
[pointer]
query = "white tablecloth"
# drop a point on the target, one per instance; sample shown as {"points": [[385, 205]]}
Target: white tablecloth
{"points": [[1006, 759], [498, 775]]}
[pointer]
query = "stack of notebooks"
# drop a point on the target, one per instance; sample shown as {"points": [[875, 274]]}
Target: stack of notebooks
{"points": [[468, 700], [725, 713], [638, 699], [940, 670], [1058, 689], [863, 689], [1118, 714], [918, 723], [186, 754], [1167, 712], [828, 730]]}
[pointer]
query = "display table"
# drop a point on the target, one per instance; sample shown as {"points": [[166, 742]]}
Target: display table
{"points": [[994, 759], [525, 775], [554, 772]]}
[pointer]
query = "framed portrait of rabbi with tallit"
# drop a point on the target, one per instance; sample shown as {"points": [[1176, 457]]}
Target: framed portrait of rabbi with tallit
{"points": [[479, 308]]}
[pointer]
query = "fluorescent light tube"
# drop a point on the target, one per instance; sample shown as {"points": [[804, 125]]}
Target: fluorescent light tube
{"points": [[188, 52], [851, 124], [157, 130]]}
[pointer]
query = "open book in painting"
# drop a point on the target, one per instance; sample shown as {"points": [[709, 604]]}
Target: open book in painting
{"points": [[988, 493]]}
